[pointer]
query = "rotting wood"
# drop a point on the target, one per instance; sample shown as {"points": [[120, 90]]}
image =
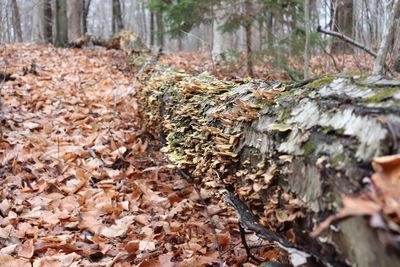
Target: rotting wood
{"points": [[290, 150]]}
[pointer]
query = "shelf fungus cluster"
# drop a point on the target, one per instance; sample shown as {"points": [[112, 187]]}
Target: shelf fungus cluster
{"points": [[290, 150]]}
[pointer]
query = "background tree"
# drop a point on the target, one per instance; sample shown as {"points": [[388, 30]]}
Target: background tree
{"points": [[48, 21], [342, 22], [117, 24], [74, 15], [307, 44], [388, 33], [61, 37], [222, 28], [16, 21], [85, 12]]}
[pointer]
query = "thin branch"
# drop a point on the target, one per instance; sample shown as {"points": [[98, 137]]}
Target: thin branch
{"points": [[347, 40], [353, 42], [246, 246]]}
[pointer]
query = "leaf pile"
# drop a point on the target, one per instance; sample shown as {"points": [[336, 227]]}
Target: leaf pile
{"points": [[83, 184]]}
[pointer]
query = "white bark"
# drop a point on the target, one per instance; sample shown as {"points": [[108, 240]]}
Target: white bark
{"points": [[388, 31], [37, 32], [222, 42]]}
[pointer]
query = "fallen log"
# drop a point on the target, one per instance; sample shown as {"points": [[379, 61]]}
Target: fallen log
{"points": [[291, 151]]}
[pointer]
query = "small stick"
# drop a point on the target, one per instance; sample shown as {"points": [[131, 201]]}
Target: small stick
{"points": [[246, 246]]}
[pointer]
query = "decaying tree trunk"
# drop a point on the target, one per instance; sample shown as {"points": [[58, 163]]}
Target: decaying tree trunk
{"points": [[289, 150]]}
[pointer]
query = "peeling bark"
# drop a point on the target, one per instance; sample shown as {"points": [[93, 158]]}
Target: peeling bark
{"points": [[290, 150]]}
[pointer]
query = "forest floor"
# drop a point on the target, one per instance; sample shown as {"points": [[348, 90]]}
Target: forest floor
{"points": [[83, 184], [198, 62]]}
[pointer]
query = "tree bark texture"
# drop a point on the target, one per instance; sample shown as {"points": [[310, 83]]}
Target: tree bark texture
{"points": [[16, 21], [247, 27], [388, 32], [160, 29], [116, 17], [48, 18], [85, 12], [343, 23], [74, 19], [152, 27], [61, 38], [307, 23], [290, 150]]}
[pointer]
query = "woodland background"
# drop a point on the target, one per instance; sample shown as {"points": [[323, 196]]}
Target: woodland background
{"points": [[270, 35]]}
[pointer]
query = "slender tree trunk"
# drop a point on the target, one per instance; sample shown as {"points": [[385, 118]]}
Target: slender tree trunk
{"points": [[249, 53], [116, 16], [85, 12], [307, 44], [270, 24], [38, 22], [160, 30], [16, 21], [388, 31], [61, 23], [152, 32], [48, 25], [343, 23]]}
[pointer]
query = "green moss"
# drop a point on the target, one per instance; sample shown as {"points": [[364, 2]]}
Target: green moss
{"points": [[381, 94], [284, 93], [327, 129], [337, 160], [285, 114], [309, 148], [321, 82], [340, 131]]}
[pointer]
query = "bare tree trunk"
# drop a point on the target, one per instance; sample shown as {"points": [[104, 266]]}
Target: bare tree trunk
{"points": [[221, 41], [37, 23], [48, 17], [388, 31], [61, 23], [343, 23], [270, 24], [307, 44], [116, 17], [249, 54], [85, 12], [16, 21], [160, 30], [152, 32], [74, 19]]}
